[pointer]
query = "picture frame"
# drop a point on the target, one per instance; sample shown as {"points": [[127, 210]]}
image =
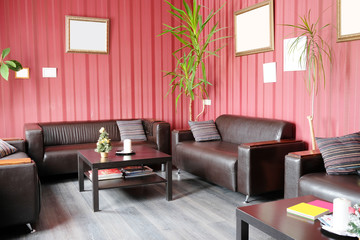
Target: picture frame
{"points": [[254, 29], [23, 73], [87, 35], [348, 18]]}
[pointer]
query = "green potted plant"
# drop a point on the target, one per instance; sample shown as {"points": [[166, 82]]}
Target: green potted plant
{"points": [[316, 51], [5, 66], [189, 75], [103, 145]]}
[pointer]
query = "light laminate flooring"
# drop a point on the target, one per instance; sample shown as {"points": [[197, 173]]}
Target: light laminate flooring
{"points": [[199, 210]]}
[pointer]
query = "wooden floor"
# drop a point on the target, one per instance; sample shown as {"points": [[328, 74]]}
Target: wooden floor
{"points": [[199, 210]]}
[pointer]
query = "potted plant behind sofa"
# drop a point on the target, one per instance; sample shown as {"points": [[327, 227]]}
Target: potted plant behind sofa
{"points": [[5, 66], [315, 51], [189, 75]]}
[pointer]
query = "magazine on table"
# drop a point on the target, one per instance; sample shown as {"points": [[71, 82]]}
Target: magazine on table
{"points": [[136, 171], [104, 174]]}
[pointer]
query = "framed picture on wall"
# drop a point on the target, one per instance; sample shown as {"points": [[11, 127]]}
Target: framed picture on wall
{"points": [[87, 35], [254, 29], [23, 73], [348, 19]]}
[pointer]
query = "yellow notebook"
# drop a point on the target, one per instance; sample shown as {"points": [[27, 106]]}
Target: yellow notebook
{"points": [[307, 211]]}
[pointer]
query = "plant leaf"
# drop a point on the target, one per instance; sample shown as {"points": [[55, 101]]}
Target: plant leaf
{"points": [[5, 52], [17, 67], [4, 70], [10, 64]]}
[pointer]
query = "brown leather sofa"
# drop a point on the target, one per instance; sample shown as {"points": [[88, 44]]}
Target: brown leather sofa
{"points": [[248, 159], [54, 146], [19, 190], [305, 175]]}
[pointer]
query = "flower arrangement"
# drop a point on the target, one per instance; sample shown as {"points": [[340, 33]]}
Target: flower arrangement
{"points": [[354, 223], [103, 144]]}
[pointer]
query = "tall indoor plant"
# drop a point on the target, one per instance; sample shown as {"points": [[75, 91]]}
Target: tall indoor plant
{"points": [[316, 51], [189, 75], [5, 66]]}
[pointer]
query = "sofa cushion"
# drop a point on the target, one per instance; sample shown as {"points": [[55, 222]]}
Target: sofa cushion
{"points": [[204, 131], [329, 187], [6, 149], [341, 154], [64, 133], [132, 129], [240, 129], [215, 161]]}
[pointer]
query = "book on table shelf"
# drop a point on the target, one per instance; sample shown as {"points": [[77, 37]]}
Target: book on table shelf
{"points": [[128, 172], [307, 211], [136, 171], [105, 174]]}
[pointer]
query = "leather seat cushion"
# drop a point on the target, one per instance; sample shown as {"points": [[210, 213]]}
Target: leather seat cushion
{"points": [[16, 155], [329, 187], [215, 161], [63, 158]]}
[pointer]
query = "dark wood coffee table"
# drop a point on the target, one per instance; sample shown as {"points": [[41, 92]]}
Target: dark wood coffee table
{"points": [[272, 219], [143, 156]]}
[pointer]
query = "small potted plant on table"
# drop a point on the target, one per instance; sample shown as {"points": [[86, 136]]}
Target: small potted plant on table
{"points": [[103, 145]]}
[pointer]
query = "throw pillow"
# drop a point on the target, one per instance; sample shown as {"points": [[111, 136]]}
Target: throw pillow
{"points": [[341, 154], [131, 129], [6, 149], [204, 131]]}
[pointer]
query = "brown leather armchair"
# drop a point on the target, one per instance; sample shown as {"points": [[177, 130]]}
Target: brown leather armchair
{"points": [[248, 159], [20, 189], [305, 175]]}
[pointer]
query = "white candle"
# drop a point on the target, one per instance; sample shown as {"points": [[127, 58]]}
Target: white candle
{"points": [[341, 215], [127, 145]]}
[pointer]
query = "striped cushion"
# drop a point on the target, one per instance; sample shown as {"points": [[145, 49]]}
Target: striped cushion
{"points": [[132, 129], [204, 131], [6, 149], [341, 154]]}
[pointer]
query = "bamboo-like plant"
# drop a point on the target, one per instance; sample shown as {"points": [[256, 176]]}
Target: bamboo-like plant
{"points": [[189, 75], [315, 51], [6, 65]]}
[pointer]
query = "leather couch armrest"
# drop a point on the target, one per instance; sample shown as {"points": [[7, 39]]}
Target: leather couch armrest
{"points": [[161, 131], [179, 136], [182, 135], [158, 132], [20, 199], [261, 165], [16, 142], [34, 142], [298, 164]]}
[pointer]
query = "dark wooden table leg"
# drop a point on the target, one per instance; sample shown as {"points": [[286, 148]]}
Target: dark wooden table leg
{"points": [[242, 229], [95, 189], [168, 180], [81, 174]]}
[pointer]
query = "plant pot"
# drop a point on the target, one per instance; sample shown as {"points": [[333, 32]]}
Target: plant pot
{"points": [[104, 154]]}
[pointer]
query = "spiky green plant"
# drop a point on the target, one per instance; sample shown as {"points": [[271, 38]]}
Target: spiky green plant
{"points": [[5, 66], [192, 53], [315, 52]]}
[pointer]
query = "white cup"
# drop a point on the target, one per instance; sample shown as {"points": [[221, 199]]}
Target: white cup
{"points": [[341, 216], [127, 145]]}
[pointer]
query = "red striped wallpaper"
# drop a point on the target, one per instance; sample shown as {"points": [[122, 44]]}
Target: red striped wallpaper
{"points": [[238, 81], [128, 82]]}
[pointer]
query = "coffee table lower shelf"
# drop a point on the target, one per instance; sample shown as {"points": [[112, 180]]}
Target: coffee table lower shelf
{"points": [[128, 182]]}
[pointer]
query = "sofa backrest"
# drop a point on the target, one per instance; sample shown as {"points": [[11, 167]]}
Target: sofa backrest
{"points": [[240, 129], [63, 133]]}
